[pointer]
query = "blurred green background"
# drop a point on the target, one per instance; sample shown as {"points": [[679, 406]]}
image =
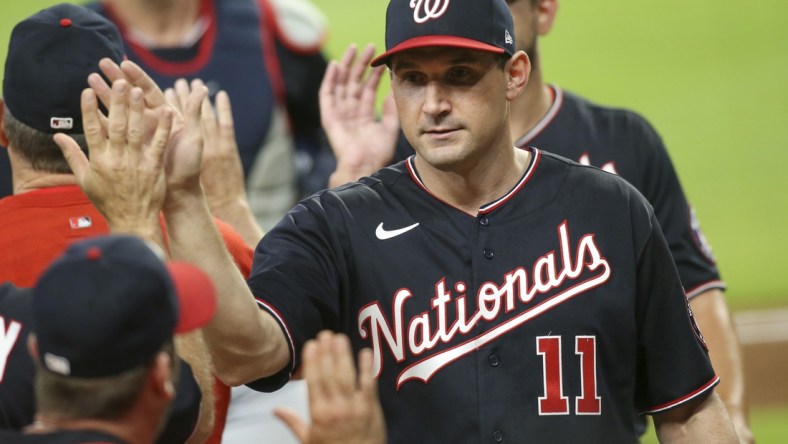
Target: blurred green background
{"points": [[711, 77]]}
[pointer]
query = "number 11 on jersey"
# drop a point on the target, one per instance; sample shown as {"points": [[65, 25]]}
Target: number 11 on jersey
{"points": [[554, 402]]}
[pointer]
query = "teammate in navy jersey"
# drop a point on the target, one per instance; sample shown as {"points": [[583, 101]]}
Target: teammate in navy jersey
{"points": [[615, 140], [624, 143]]}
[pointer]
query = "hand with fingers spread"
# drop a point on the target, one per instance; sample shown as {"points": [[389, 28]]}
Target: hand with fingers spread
{"points": [[153, 96], [124, 177], [344, 409], [222, 175], [183, 157], [361, 143]]}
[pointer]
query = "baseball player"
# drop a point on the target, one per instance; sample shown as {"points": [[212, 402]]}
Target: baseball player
{"points": [[624, 143], [506, 294], [104, 313], [545, 116]]}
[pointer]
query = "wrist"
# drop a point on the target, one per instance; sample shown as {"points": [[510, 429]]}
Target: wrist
{"points": [[183, 197], [149, 229]]}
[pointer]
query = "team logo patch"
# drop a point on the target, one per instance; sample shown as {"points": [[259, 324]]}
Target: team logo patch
{"points": [[696, 328], [80, 222], [61, 123], [699, 238], [508, 37], [424, 10]]}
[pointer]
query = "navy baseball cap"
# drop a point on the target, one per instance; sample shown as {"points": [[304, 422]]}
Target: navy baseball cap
{"points": [[50, 56], [484, 25], [109, 304]]}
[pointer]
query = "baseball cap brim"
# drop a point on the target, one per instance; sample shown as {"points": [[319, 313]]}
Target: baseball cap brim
{"points": [[196, 296], [435, 40]]}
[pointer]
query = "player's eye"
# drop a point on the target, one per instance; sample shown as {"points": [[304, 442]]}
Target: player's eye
{"points": [[461, 74], [412, 78]]}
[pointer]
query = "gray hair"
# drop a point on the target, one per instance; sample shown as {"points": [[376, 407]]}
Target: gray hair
{"points": [[37, 147]]}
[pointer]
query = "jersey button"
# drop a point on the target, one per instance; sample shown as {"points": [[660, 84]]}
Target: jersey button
{"points": [[494, 360], [484, 222], [498, 436], [488, 253]]}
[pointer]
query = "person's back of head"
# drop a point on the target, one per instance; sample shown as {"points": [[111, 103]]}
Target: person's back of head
{"points": [[104, 316], [50, 56]]}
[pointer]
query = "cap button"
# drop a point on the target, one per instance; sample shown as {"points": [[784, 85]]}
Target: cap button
{"points": [[66, 22], [93, 253]]}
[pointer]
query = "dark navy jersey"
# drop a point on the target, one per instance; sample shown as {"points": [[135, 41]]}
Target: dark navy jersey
{"points": [[624, 143], [59, 437], [17, 374], [546, 317], [17, 403]]}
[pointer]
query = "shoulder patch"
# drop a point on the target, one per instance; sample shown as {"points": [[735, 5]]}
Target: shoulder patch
{"points": [[300, 25], [696, 329], [700, 239]]}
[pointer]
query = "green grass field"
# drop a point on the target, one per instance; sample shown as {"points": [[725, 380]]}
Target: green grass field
{"points": [[710, 75]]}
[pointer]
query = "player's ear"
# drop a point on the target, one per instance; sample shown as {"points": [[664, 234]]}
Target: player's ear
{"points": [[32, 346], [545, 15], [161, 376], [517, 71], [3, 137]]}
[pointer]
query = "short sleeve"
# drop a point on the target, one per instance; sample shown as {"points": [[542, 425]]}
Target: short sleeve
{"points": [[296, 277], [673, 363], [661, 186]]}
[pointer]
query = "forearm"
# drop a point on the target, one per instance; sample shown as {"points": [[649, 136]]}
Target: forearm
{"points": [[703, 420], [238, 215], [245, 342], [191, 348], [715, 322]]}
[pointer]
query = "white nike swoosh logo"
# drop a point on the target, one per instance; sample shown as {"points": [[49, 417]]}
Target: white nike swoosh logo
{"points": [[386, 234]]}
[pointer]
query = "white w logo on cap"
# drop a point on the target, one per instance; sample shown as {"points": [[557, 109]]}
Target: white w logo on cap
{"points": [[424, 10]]}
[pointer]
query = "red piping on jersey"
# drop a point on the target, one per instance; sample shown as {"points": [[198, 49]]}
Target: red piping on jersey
{"points": [[282, 322], [558, 100], [268, 27], [697, 290], [537, 156], [417, 179], [493, 205], [685, 398], [205, 50]]}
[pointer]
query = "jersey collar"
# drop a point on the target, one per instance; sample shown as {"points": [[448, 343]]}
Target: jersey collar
{"points": [[558, 100]]}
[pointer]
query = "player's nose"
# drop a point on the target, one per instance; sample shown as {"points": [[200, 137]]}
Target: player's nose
{"points": [[436, 101]]}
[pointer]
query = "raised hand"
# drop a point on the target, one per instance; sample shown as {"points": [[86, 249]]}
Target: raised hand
{"points": [[222, 176], [343, 409], [124, 177], [361, 143]]}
